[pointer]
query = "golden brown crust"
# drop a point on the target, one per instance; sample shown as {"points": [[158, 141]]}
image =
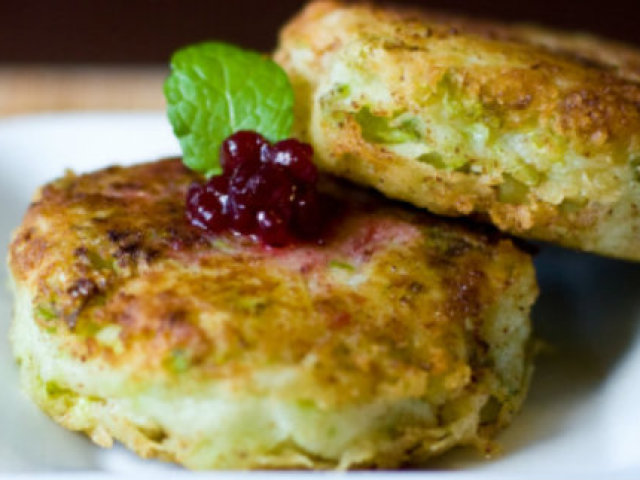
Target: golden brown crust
{"points": [[112, 248], [400, 337], [558, 116]]}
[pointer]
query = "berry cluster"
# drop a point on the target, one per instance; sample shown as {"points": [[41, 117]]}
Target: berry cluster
{"points": [[266, 190]]}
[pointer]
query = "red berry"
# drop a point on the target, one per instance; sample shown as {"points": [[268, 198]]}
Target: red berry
{"points": [[272, 228], [242, 146], [243, 218], [297, 157], [207, 209], [308, 214], [276, 188], [266, 153], [217, 185], [240, 186]]}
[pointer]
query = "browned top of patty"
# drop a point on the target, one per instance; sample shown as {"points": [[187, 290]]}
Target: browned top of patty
{"points": [[585, 86], [391, 291]]}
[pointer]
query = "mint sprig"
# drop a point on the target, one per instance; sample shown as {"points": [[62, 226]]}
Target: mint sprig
{"points": [[215, 89]]}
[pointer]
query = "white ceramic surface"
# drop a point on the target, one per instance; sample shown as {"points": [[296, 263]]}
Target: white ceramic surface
{"points": [[582, 417]]}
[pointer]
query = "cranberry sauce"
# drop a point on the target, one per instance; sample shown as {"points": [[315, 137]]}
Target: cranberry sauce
{"points": [[266, 190]]}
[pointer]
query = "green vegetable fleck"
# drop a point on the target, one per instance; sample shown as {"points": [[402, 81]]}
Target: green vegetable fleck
{"points": [[98, 262], [53, 389], [400, 128], [342, 265], [635, 166], [216, 89], [252, 304], [178, 361], [45, 312], [432, 158]]}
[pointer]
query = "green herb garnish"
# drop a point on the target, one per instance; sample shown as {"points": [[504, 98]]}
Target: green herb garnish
{"points": [[216, 89]]}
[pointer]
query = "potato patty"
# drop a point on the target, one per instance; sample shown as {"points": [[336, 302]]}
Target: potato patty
{"points": [[399, 337], [535, 131]]}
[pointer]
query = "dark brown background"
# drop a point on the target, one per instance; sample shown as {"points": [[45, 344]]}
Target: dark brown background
{"points": [[117, 31]]}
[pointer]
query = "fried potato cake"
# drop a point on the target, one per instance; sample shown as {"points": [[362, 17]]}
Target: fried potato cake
{"points": [[535, 131], [399, 337]]}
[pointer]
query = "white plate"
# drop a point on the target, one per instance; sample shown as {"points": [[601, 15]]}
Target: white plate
{"points": [[582, 418]]}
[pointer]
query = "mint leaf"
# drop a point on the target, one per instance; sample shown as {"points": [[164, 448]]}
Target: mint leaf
{"points": [[214, 90]]}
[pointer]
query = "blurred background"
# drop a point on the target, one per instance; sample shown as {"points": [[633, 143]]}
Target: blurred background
{"points": [[84, 54]]}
